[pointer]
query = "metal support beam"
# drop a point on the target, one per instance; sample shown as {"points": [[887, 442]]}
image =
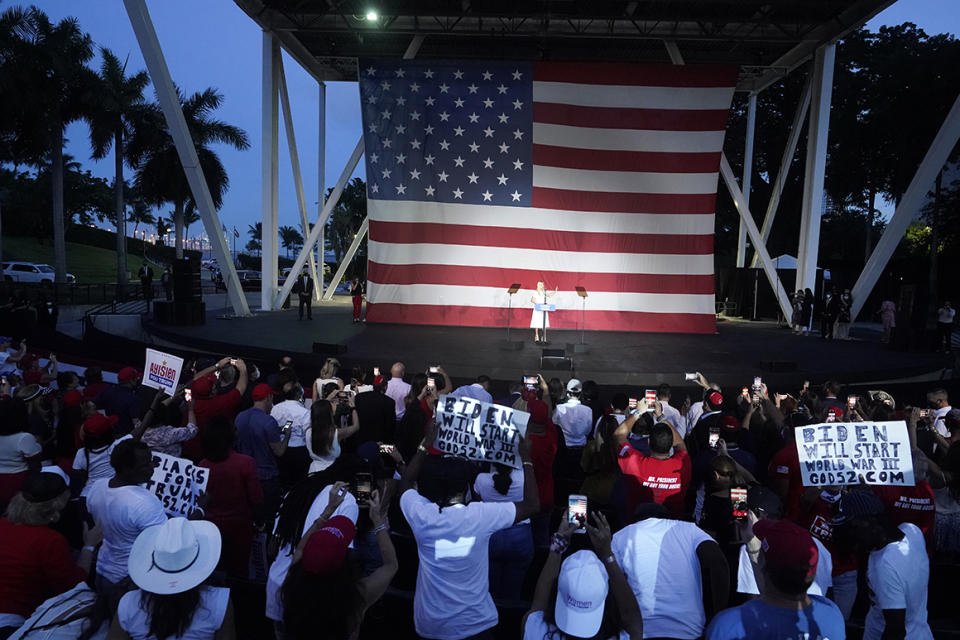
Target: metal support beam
{"points": [[747, 175], [269, 167], [785, 161], [186, 151], [351, 251], [324, 216], [909, 207], [821, 89], [321, 179], [295, 166], [747, 218]]}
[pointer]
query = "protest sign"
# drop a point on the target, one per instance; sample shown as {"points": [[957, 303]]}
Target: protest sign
{"points": [[838, 453], [177, 483], [162, 371], [480, 430]]}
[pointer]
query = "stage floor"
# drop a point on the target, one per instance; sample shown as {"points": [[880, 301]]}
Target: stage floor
{"points": [[730, 357]]}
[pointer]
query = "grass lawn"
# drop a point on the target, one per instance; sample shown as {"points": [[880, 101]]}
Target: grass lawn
{"points": [[90, 265]]}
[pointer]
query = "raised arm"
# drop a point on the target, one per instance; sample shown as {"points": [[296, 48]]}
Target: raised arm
{"points": [[620, 435], [243, 376], [551, 568], [375, 585], [530, 506], [149, 417]]}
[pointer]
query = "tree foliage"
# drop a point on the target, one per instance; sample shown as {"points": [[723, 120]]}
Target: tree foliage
{"points": [[345, 221]]}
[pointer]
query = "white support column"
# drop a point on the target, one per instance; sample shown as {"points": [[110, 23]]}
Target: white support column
{"points": [[909, 207], [348, 256], [187, 152], [295, 166], [785, 161], [747, 218], [269, 167], [747, 175], [324, 216], [321, 180], [821, 90]]}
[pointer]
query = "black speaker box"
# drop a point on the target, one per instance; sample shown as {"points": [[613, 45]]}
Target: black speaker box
{"points": [[329, 349]]}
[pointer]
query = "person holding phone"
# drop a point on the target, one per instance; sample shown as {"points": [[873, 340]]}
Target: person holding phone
{"points": [[538, 321], [511, 549], [583, 583]]}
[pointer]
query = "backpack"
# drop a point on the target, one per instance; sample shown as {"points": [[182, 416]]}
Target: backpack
{"points": [[63, 617]]}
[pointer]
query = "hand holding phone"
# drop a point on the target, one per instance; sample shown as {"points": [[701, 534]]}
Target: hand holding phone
{"points": [[738, 501], [851, 401], [432, 383], [650, 395], [376, 371], [188, 394], [632, 403], [577, 512], [714, 437], [364, 488], [689, 377]]}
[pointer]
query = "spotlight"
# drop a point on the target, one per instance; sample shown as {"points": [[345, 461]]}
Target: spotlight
{"points": [[371, 16]]}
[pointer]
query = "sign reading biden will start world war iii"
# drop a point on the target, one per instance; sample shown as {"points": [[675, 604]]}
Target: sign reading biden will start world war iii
{"points": [[480, 430], [838, 453]]}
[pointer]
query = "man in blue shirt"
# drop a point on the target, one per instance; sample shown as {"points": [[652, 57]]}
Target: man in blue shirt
{"points": [[121, 400], [260, 437], [786, 563], [479, 390]]}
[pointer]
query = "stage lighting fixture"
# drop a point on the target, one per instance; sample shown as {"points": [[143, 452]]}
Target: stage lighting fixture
{"points": [[372, 16]]}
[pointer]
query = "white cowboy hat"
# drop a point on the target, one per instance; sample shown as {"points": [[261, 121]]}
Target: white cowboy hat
{"points": [[175, 556]]}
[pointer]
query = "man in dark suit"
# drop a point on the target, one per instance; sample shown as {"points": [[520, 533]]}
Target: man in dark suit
{"points": [[146, 281], [376, 413], [303, 287]]}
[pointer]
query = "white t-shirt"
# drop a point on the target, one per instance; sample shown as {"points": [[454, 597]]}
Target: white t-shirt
{"points": [[823, 580], [453, 591], [14, 451], [280, 567], [96, 463], [897, 577], [946, 315], [483, 487], [397, 390], [123, 513], [207, 619], [575, 420], [293, 411], [659, 558]]}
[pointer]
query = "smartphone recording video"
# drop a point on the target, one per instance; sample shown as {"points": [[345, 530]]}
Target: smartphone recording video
{"points": [[364, 487], [187, 393], [851, 401], [738, 500], [689, 376], [577, 512], [714, 437], [432, 383], [376, 371], [530, 382], [387, 449], [434, 369], [632, 403], [650, 395], [757, 382]]}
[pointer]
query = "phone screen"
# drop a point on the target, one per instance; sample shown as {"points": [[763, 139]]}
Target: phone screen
{"points": [[364, 487], [757, 382], [187, 393], [831, 416], [689, 376], [288, 424], [431, 382], [434, 369], [738, 500], [745, 392], [386, 448], [632, 403], [851, 401], [650, 395], [577, 512], [376, 371], [714, 437], [530, 382]]}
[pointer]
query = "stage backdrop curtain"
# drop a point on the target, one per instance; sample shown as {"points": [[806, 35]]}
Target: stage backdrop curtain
{"points": [[483, 174]]}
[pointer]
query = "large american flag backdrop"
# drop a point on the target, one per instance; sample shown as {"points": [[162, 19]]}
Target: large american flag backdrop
{"points": [[483, 174]]}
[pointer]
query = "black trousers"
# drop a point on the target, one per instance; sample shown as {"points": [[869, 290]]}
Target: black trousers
{"points": [[944, 332], [306, 302]]}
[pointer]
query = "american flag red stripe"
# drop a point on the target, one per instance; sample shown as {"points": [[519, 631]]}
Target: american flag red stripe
{"points": [[591, 175]]}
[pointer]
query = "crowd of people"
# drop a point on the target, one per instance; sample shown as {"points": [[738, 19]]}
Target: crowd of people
{"points": [[647, 517]]}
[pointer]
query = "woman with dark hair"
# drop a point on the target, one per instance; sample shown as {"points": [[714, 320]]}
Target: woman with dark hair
{"points": [[323, 577], [19, 449], [511, 549], [35, 560], [557, 393], [323, 436], [558, 610], [235, 495], [600, 467], [170, 564], [162, 424]]}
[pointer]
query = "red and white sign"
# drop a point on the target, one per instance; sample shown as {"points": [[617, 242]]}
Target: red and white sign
{"points": [[162, 371]]}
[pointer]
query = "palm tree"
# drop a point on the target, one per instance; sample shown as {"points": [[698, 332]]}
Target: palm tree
{"points": [[163, 228], [140, 214], [255, 231], [45, 66], [190, 216], [118, 106], [159, 175], [290, 238]]}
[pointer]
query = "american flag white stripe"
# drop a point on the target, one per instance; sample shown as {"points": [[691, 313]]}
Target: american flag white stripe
{"points": [[612, 188]]}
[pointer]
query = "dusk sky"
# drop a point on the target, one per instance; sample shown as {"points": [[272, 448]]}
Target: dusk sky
{"points": [[213, 43]]}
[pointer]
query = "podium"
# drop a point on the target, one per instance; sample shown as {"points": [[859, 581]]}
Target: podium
{"points": [[544, 309], [508, 344]]}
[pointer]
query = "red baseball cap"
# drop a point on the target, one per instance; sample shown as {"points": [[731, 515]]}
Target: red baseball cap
{"points": [[72, 399], [127, 374], [715, 398], [261, 391], [326, 549], [203, 387], [729, 422], [99, 425], [787, 546]]}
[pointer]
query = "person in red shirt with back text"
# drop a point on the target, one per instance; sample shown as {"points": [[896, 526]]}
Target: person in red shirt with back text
{"points": [[661, 477], [207, 403]]}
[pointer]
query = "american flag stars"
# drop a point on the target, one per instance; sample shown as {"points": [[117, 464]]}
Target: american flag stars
{"points": [[456, 133]]}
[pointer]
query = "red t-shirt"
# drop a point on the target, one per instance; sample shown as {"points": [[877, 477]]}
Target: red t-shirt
{"points": [[648, 479], [785, 465], [205, 409], [912, 504], [817, 521], [35, 564], [233, 487]]}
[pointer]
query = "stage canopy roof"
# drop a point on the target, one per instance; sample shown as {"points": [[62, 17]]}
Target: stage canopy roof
{"points": [[767, 38]]}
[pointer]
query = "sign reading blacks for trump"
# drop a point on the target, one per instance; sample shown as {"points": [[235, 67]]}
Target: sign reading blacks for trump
{"points": [[838, 453], [162, 370], [480, 430], [177, 483]]}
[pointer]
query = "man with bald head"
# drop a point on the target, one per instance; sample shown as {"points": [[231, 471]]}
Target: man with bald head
{"points": [[397, 389]]}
